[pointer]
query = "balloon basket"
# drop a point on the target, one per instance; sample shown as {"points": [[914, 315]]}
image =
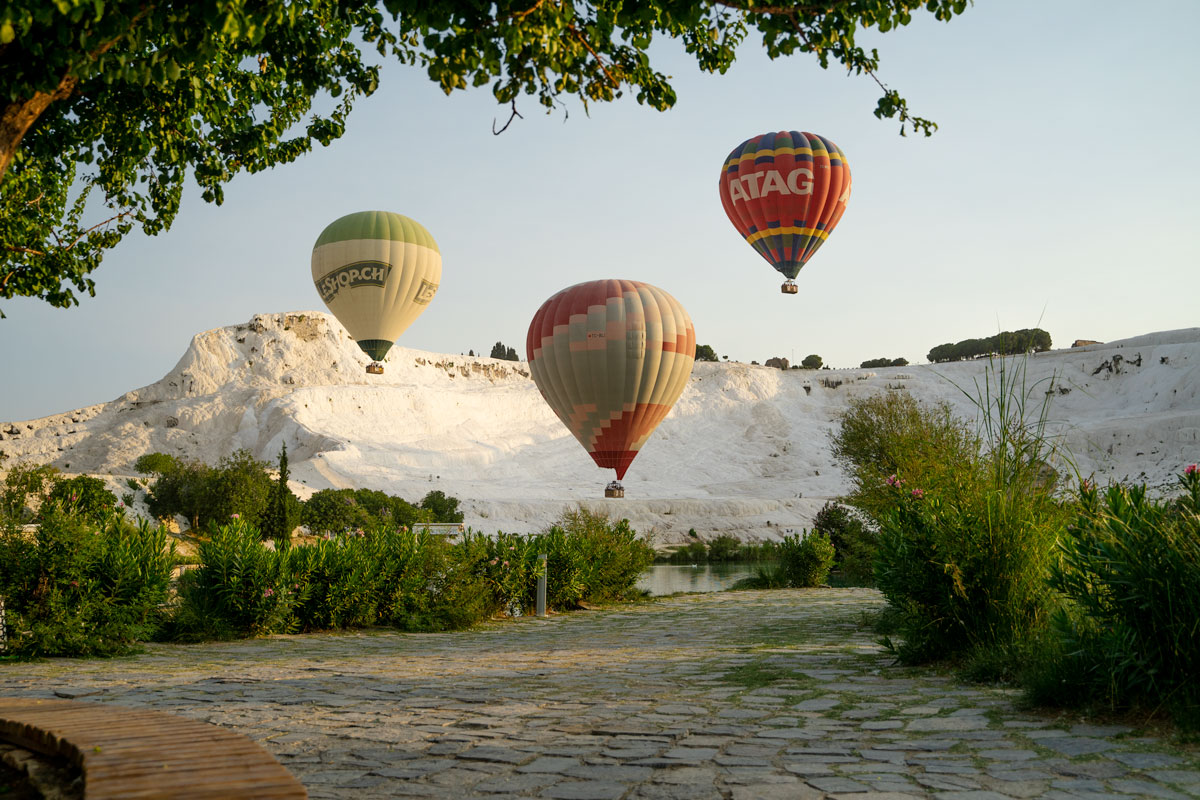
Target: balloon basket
{"points": [[789, 287], [614, 489], [375, 368]]}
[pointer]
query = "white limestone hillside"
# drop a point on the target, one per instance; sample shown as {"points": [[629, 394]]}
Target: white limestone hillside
{"points": [[744, 451]]}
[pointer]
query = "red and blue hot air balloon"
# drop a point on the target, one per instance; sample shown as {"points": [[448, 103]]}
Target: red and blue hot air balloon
{"points": [[785, 192]]}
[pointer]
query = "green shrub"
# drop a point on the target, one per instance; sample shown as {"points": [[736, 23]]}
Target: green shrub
{"points": [[1131, 568], [241, 588], [80, 588], [238, 488], [967, 529], [891, 433], [179, 487], [25, 484], [724, 548], [589, 558], [239, 485], [805, 559], [443, 507], [692, 553], [764, 577], [338, 511], [854, 543], [398, 577], [84, 496]]}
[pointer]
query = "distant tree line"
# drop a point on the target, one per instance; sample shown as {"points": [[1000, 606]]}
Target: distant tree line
{"points": [[505, 353], [1004, 343], [871, 363]]}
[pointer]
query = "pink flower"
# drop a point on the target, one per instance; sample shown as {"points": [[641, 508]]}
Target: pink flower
{"points": [[1191, 469], [894, 481], [506, 563], [75, 584], [235, 516], [918, 493], [269, 592], [494, 561]]}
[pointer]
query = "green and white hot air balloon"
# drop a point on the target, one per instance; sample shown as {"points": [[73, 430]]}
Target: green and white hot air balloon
{"points": [[376, 272]]}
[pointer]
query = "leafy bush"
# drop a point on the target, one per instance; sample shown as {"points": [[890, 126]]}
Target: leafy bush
{"points": [[589, 558], [891, 433], [239, 485], [967, 525], [724, 548], [443, 508], [25, 484], [85, 496], [339, 511], [854, 543], [180, 487], [805, 559], [705, 352], [1131, 568], [241, 588], [77, 588]]}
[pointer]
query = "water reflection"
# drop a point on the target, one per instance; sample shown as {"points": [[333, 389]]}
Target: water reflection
{"points": [[663, 579]]}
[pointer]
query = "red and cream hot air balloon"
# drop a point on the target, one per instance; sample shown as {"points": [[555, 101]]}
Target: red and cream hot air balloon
{"points": [[785, 193], [611, 357]]}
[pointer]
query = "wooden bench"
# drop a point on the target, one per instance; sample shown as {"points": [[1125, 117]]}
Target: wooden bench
{"points": [[134, 753]]}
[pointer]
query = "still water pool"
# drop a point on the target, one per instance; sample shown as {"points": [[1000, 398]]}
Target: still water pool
{"points": [[663, 579]]}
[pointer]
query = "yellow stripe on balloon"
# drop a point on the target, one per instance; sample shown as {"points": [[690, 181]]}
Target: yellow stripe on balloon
{"points": [[754, 237]]}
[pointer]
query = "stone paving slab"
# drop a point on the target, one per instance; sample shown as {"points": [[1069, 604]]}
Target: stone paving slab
{"points": [[728, 696]]}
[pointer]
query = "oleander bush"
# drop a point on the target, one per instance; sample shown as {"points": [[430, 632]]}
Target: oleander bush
{"points": [[967, 522], [1129, 633], [76, 586], [84, 495], [411, 580]]}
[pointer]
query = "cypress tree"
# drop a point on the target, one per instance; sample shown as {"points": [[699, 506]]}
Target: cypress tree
{"points": [[277, 524]]}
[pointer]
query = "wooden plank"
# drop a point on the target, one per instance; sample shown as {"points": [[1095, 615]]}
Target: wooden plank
{"points": [[137, 753]]}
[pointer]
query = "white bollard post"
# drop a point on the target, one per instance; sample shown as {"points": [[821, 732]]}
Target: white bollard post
{"points": [[541, 589]]}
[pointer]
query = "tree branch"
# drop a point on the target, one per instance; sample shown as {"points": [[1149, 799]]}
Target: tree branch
{"points": [[511, 117], [616, 84]]}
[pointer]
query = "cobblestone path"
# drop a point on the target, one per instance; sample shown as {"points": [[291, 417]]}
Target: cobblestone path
{"points": [[733, 695]]}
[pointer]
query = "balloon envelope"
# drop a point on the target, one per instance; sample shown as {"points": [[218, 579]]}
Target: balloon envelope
{"points": [[376, 272], [611, 357], [785, 193]]}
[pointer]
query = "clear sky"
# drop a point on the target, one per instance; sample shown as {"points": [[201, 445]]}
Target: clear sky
{"points": [[1059, 192]]}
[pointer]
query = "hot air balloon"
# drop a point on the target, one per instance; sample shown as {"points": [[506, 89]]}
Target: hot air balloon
{"points": [[611, 357], [785, 192], [376, 272]]}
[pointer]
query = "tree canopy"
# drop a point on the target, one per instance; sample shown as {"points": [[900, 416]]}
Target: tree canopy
{"points": [[123, 99], [1003, 343]]}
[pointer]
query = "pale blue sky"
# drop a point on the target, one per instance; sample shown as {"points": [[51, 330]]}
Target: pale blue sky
{"points": [[1059, 191]]}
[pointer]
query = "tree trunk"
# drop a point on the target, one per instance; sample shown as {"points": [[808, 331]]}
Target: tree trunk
{"points": [[18, 117]]}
